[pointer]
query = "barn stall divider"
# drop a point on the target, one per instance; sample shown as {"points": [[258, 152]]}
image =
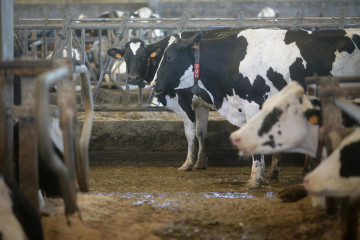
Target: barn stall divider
{"points": [[336, 94], [118, 34], [32, 111]]}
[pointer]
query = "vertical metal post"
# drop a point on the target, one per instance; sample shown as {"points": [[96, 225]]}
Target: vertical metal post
{"points": [[26, 41], [45, 44], [6, 126], [6, 89], [342, 17], [82, 47], [69, 42], [28, 157], [100, 49]]}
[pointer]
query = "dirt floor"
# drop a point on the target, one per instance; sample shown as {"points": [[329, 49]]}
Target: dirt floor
{"points": [[152, 202]]}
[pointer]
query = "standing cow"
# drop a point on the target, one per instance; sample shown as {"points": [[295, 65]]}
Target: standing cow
{"points": [[239, 72]]}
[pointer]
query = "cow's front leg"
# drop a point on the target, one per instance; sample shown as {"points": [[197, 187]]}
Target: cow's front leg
{"points": [[257, 172], [189, 127], [202, 116]]}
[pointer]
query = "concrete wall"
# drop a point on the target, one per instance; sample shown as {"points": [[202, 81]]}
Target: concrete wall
{"points": [[158, 140], [207, 8]]}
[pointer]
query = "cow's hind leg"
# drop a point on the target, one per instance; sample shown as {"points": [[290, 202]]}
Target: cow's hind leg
{"points": [[202, 115], [276, 164], [257, 172], [189, 127]]}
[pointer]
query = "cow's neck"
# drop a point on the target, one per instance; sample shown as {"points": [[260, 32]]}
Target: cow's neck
{"points": [[215, 60], [310, 143]]}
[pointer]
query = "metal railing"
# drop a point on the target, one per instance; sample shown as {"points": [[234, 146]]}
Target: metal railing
{"points": [[335, 95], [65, 36], [33, 113]]}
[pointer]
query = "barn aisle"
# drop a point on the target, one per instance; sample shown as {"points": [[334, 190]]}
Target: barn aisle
{"points": [[154, 202]]}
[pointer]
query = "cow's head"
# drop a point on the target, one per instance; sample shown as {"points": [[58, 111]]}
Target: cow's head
{"points": [[177, 63], [141, 61], [339, 174], [285, 123]]}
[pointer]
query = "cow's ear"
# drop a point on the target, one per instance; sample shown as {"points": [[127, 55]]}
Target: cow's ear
{"points": [[116, 53], [314, 116], [156, 55], [193, 41]]}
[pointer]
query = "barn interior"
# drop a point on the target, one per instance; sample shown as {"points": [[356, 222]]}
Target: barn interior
{"points": [[121, 148]]}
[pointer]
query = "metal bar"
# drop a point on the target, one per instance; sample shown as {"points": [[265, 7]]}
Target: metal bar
{"points": [[340, 91], [83, 165], [174, 19], [343, 79], [27, 135], [349, 108], [342, 17], [45, 45], [192, 26], [61, 37], [26, 41], [68, 190], [240, 19], [69, 44], [77, 44], [119, 33], [83, 54], [126, 109], [6, 126], [183, 22], [100, 55]]}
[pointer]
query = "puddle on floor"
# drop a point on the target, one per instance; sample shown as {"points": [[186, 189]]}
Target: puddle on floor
{"points": [[154, 182]]}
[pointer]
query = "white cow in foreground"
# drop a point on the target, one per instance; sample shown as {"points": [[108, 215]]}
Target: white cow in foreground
{"points": [[284, 124], [288, 123], [339, 174]]}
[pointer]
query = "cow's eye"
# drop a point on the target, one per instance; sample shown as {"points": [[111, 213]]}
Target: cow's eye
{"points": [[167, 59]]}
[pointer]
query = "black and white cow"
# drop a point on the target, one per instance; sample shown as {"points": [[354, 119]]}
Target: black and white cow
{"points": [[143, 60], [239, 72], [339, 174], [18, 218], [285, 123]]}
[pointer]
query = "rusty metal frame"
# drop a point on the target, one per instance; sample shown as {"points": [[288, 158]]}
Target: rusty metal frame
{"points": [[33, 116]]}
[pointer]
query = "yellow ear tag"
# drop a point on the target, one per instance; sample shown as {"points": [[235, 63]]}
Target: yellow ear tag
{"points": [[313, 119], [195, 46], [118, 55], [153, 54]]}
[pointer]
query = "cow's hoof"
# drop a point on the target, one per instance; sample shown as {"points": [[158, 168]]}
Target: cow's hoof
{"points": [[200, 166], [251, 184], [273, 175], [185, 167]]}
